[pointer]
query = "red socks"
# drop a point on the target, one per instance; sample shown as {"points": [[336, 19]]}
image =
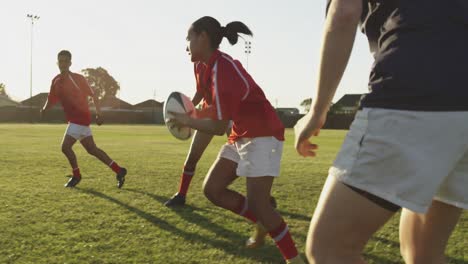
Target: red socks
{"points": [[115, 167], [243, 210], [284, 241], [185, 180], [76, 173]]}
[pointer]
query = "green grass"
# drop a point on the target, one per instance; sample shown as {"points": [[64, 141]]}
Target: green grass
{"points": [[42, 222]]}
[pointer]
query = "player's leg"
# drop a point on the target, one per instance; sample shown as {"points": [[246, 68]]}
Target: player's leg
{"points": [[343, 222], [215, 187], [258, 193], [67, 149], [90, 146], [200, 142], [380, 167], [424, 237], [69, 139]]}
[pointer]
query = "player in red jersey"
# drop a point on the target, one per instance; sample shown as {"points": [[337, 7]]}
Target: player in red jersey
{"points": [[72, 91], [255, 144]]}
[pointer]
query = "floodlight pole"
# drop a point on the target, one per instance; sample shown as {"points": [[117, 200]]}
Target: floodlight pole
{"points": [[248, 50], [33, 19]]}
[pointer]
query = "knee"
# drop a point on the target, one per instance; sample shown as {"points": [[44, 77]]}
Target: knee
{"points": [[92, 150], [324, 248], [66, 149], [315, 250], [212, 193]]}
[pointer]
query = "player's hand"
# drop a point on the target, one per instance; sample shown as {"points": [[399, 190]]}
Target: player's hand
{"points": [[99, 119], [179, 119], [304, 129]]}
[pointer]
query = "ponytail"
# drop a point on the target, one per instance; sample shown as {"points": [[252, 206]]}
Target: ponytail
{"points": [[232, 30], [216, 32]]}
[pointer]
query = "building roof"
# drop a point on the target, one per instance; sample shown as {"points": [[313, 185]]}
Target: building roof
{"points": [[5, 101], [113, 102], [36, 101], [149, 104]]}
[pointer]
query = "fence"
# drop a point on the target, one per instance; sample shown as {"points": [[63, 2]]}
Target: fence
{"points": [[28, 115]]}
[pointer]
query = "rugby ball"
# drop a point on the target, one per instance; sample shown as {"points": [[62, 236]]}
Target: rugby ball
{"points": [[179, 103]]}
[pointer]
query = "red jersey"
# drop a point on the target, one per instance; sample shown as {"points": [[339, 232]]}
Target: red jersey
{"points": [[72, 91], [235, 96], [203, 88]]}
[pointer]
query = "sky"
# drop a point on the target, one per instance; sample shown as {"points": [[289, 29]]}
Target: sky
{"points": [[142, 45]]}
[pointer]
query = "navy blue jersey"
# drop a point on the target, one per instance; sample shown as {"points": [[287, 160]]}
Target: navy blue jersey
{"points": [[421, 54]]}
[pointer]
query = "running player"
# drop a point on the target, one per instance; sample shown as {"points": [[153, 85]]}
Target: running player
{"points": [[72, 91], [255, 144]]}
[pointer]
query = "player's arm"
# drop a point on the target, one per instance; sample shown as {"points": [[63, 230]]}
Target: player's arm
{"points": [[48, 104], [90, 92], [197, 98], [338, 39], [209, 126], [52, 99], [97, 105]]}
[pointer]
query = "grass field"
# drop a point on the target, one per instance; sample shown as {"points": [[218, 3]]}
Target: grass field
{"points": [[42, 222]]}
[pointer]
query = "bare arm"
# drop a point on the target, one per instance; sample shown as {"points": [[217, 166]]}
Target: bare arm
{"points": [[197, 98], [97, 104], [337, 43], [99, 118], [213, 127], [47, 106]]}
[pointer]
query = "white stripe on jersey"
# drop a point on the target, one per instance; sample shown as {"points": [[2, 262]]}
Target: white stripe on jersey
{"points": [[74, 83], [240, 74], [55, 80], [215, 84]]}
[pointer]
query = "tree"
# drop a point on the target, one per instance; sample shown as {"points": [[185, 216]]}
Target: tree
{"points": [[3, 90], [101, 81], [306, 104]]}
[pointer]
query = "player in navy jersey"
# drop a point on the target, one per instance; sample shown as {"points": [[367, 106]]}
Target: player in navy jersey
{"points": [[408, 145]]}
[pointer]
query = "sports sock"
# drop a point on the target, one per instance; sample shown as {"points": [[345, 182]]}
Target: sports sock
{"points": [[243, 210], [185, 180], [115, 167], [76, 173], [284, 241]]}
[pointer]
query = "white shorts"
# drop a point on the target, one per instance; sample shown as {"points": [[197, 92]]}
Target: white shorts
{"points": [[78, 132], [255, 157], [408, 158]]}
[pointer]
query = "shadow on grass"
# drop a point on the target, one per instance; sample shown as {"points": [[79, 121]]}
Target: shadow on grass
{"points": [[189, 214], [457, 261], [295, 216], [385, 241], [396, 246], [380, 260], [268, 253]]}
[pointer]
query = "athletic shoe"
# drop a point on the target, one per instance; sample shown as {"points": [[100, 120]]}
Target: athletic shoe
{"points": [[258, 238], [72, 182], [121, 177], [176, 200]]}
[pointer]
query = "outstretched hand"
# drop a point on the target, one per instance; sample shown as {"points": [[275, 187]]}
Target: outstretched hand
{"points": [[304, 129]]}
